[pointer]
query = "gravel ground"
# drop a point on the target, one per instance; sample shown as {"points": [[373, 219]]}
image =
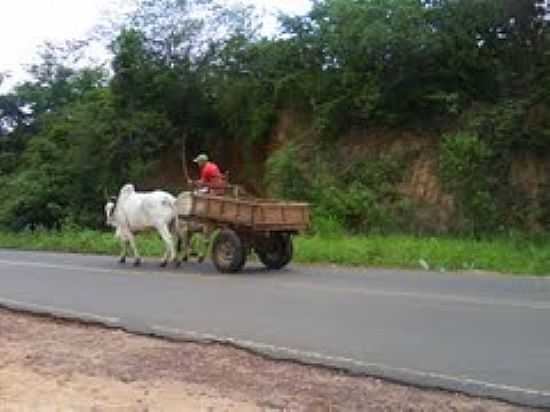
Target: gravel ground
{"points": [[55, 365]]}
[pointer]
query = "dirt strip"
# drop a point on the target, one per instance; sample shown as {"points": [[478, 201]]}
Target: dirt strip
{"points": [[56, 365]]}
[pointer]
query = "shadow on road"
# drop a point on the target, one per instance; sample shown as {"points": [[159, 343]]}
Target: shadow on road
{"points": [[206, 269]]}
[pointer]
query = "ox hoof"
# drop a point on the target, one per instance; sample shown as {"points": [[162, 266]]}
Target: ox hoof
{"points": [[184, 259], [137, 262], [200, 259], [163, 264], [177, 263], [122, 260]]}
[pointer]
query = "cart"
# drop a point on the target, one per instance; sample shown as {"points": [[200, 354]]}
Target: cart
{"points": [[241, 225]]}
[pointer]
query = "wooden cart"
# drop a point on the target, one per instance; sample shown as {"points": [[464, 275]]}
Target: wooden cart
{"points": [[243, 225]]}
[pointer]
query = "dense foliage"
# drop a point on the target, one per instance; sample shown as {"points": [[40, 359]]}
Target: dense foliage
{"points": [[475, 71]]}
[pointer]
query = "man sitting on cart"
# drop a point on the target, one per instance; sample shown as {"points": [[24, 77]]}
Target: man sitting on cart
{"points": [[211, 179]]}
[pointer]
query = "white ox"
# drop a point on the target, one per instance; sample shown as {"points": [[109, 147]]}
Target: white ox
{"points": [[134, 212]]}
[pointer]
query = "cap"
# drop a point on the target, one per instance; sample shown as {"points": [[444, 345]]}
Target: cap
{"points": [[201, 158]]}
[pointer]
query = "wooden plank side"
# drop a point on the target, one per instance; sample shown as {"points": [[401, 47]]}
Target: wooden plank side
{"points": [[298, 215], [230, 211], [281, 214], [200, 207], [245, 215], [224, 210], [258, 214], [215, 209]]}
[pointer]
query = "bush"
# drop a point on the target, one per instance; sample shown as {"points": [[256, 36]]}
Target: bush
{"points": [[327, 226], [466, 171], [364, 196], [285, 175], [360, 197]]}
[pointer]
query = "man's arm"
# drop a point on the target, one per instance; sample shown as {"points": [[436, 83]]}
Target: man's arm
{"points": [[196, 183]]}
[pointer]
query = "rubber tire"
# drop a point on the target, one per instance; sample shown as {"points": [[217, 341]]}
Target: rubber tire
{"points": [[282, 252], [237, 260]]}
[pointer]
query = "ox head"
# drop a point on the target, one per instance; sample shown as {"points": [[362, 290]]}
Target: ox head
{"points": [[126, 191], [110, 207]]}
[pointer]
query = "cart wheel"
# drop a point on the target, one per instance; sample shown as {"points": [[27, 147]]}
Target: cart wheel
{"points": [[277, 251], [228, 253]]}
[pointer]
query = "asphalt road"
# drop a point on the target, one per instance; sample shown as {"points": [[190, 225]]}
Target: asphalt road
{"points": [[482, 334]]}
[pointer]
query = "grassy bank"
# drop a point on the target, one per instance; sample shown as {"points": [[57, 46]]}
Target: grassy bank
{"points": [[507, 255], [442, 254]]}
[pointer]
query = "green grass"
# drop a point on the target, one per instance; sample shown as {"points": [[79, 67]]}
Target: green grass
{"points": [[507, 255], [77, 241]]}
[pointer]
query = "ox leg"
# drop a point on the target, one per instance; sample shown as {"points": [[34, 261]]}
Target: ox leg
{"points": [[208, 235], [203, 242], [170, 253], [124, 251], [177, 248], [184, 242], [165, 257], [177, 261], [195, 244], [177, 242], [137, 257]]}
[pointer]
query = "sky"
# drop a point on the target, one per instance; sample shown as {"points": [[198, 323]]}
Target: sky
{"points": [[26, 24]]}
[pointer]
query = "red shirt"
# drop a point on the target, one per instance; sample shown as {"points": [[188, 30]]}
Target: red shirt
{"points": [[210, 173]]}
